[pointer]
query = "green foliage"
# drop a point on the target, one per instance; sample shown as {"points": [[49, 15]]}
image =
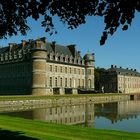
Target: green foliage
{"points": [[116, 13], [98, 77]]}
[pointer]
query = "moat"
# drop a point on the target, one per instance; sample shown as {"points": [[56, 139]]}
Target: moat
{"points": [[122, 115]]}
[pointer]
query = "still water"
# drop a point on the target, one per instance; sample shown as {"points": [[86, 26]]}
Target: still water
{"points": [[117, 115]]}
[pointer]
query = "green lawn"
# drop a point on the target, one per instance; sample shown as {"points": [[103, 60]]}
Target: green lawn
{"points": [[12, 128]]}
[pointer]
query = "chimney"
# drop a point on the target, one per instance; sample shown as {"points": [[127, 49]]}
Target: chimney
{"points": [[79, 52], [131, 69], [53, 45], [120, 67], [115, 66], [127, 68], [135, 70], [112, 66]]}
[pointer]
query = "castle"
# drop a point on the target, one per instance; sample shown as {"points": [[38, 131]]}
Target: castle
{"points": [[120, 80], [39, 67]]}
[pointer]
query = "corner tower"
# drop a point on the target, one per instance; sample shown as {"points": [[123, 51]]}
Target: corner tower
{"points": [[89, 71], [39, 67]]}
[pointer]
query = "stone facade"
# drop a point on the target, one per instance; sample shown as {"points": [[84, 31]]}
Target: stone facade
{"points": [[39, 67], [121, 80]]}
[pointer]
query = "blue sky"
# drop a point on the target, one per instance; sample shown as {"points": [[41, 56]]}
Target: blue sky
{"points": [[121, 49]]}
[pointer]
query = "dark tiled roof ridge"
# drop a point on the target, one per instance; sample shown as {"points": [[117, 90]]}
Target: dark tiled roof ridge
{"points": [[60, 49], [125, 71]]}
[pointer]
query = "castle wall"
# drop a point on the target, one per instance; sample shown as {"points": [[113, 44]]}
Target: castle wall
{"points": [[121, 80], [38, 54], [89, 77], [128, 84], [15, 78], [40, 68], [64, 76]]}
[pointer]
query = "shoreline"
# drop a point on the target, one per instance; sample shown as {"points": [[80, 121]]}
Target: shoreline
{"points": [[39, 130], [13, 103]]}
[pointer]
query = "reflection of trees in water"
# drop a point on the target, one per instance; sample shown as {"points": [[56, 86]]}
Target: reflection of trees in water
{"points": [[84, 113], [21, 114], [108, 110], [118, 111]]}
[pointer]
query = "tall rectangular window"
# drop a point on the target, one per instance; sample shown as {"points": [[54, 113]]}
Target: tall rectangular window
{"points": [[89, 72], [61, 69], [79, 82], [55, 68], [50, 68], [50, 81], [79, 71], [74, 70], [83, 71], [65, 82], [70, 82], [61, 82], [65, 69], [83, 83], [55, 82], [70, 70]]}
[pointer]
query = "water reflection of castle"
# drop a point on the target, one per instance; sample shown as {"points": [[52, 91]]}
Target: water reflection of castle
{"points": [[77, 114], [118, 111], [84, 113]]}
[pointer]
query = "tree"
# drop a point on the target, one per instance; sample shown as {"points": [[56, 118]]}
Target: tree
{"points": [[99, 78], [116, 13]]}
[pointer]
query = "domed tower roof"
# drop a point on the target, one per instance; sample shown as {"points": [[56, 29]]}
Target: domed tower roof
{"points": [[89, 57]]}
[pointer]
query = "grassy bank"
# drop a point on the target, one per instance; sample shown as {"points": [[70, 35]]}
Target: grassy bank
{"points": [[17, 128]]}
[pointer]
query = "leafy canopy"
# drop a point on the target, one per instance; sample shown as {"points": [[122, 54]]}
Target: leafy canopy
{"points": [[116, 13], [99, 77]]}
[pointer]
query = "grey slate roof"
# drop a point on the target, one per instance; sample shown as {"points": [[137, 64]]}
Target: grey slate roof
{"points": [[123, 71], [59, 49], [89, 57]]}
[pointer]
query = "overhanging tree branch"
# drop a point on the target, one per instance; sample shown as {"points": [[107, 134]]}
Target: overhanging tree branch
{"points": [[116, 13]]}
